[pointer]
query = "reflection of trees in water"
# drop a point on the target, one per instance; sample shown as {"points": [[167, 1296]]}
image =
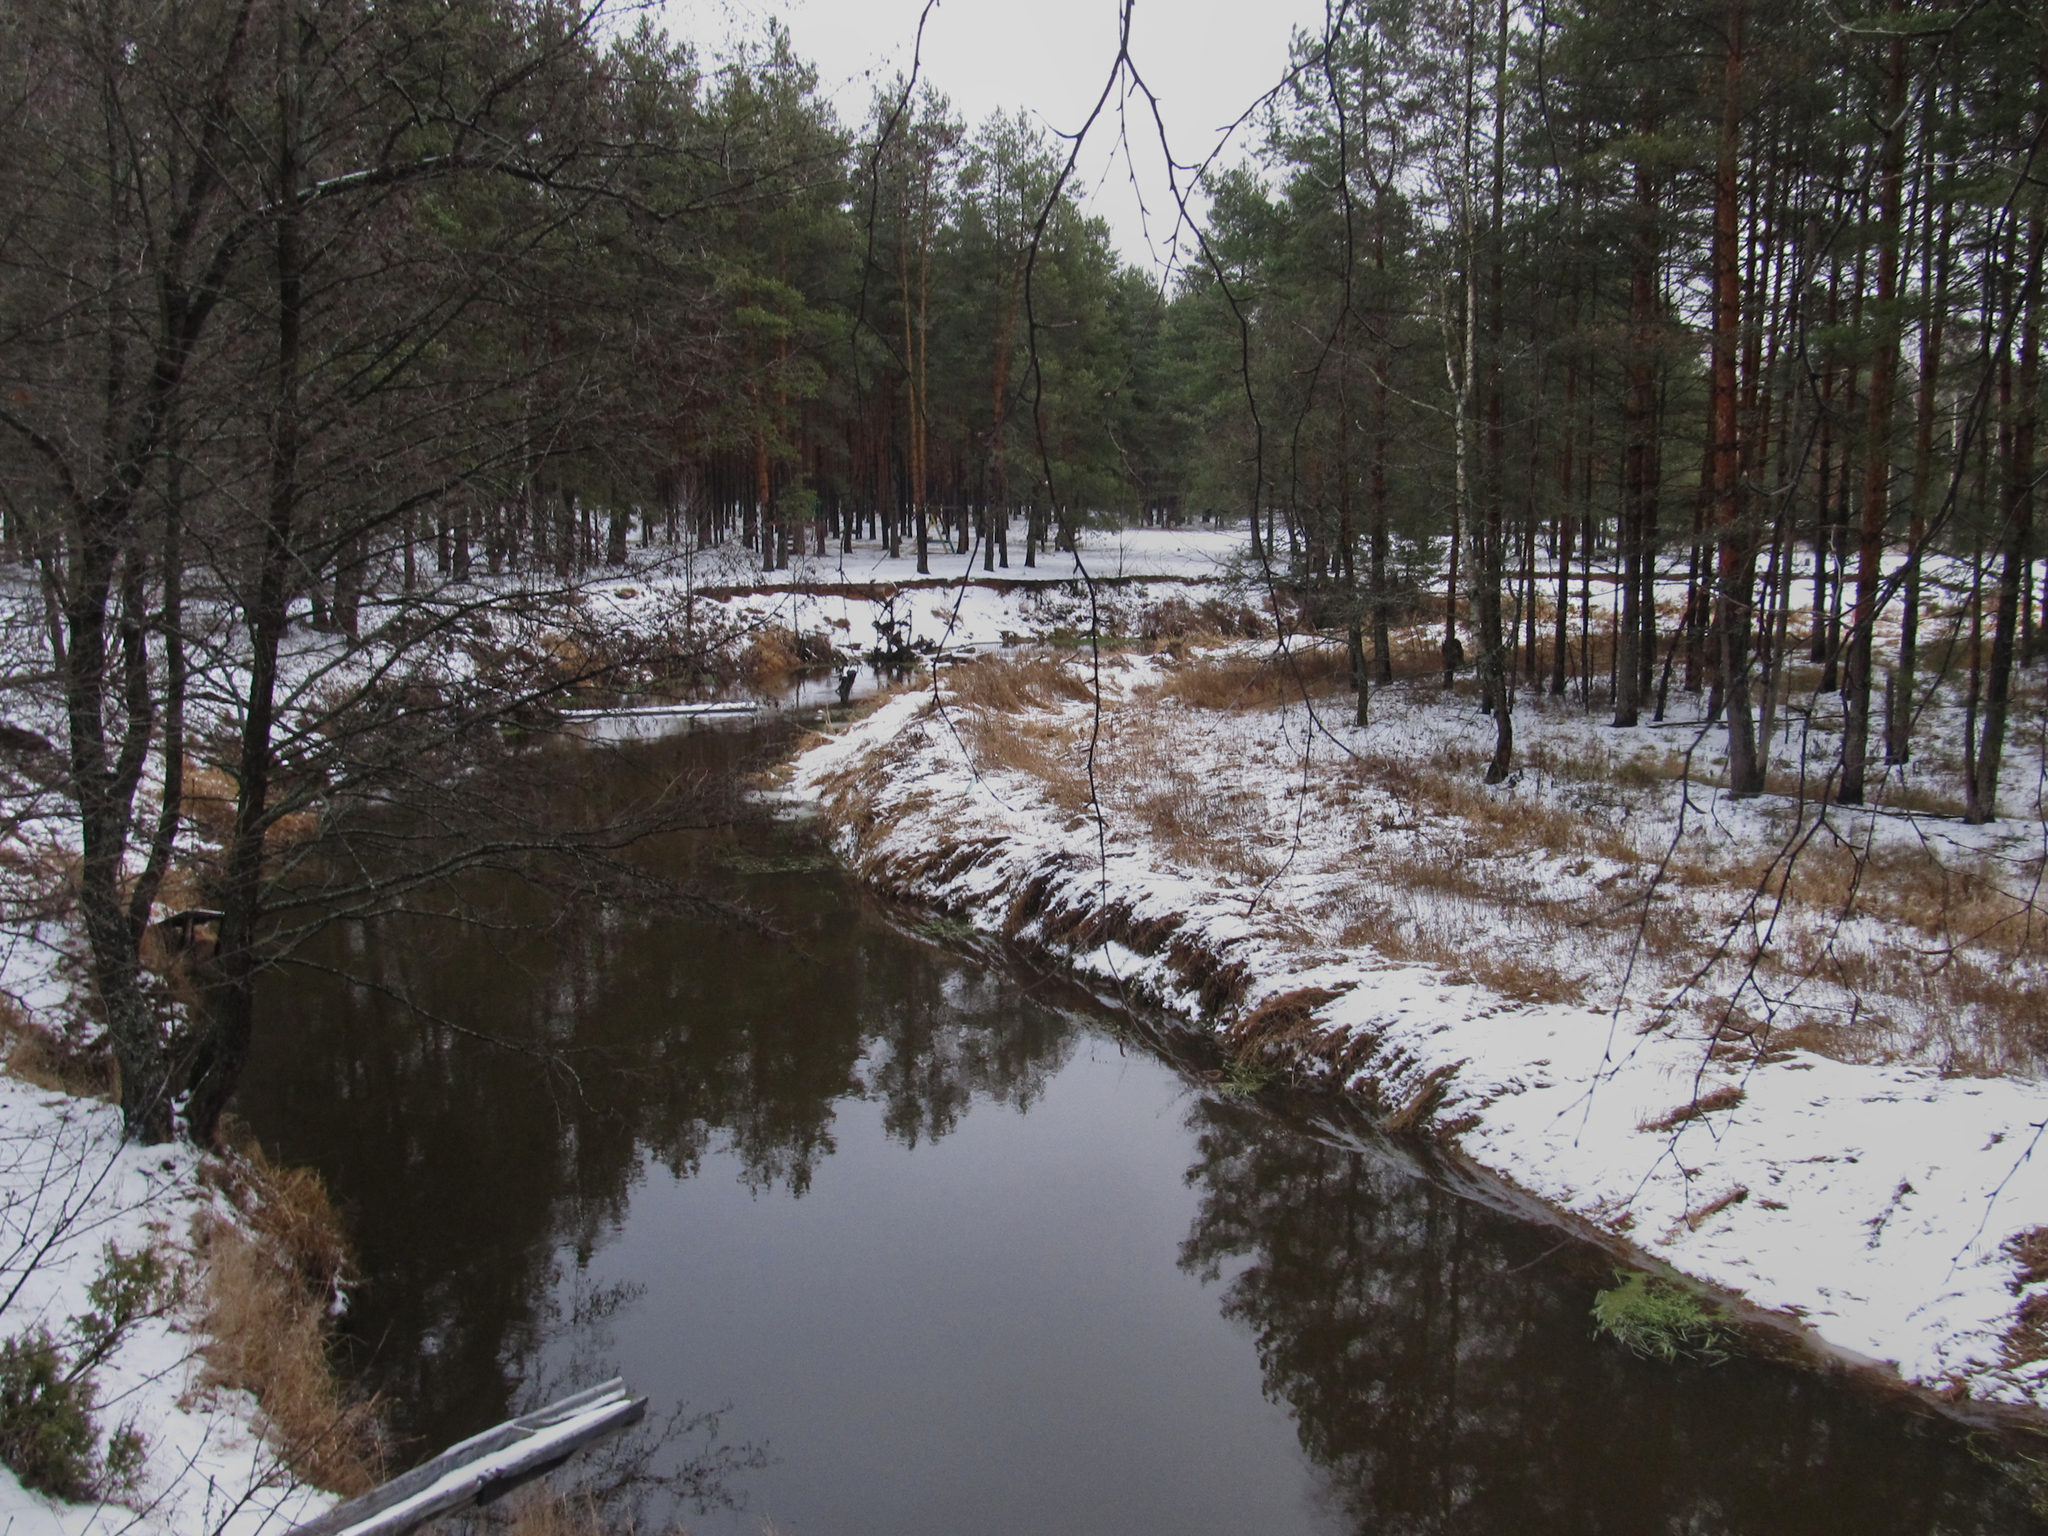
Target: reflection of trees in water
{"points": [[473, 1172], [1439, 1392], [936, 1046]]}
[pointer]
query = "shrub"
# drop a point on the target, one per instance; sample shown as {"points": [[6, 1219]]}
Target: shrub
{"points": [[47, 1433], [128, 1288], [1658, 1320]]}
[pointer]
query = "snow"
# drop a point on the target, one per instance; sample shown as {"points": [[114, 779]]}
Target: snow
{"points": [[1104, 553], [69, 1186], [1870, 1199], [505, 1455], [845, 597]]}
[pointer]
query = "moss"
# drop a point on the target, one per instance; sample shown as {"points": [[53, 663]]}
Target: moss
{"points": [[1242, 1078]]}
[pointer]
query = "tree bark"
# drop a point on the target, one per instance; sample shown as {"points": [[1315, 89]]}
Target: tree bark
{"points": [[1877, 458], [1738, 545]]}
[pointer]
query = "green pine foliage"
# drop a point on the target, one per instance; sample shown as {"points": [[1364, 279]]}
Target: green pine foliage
{"points": [[49, 1434]]}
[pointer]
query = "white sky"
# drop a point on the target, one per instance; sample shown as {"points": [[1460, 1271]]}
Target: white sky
{"points": [[1207, 60]]}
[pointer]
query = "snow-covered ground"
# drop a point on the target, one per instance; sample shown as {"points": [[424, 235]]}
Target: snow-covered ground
{"points": [[1554, 958], [847, 598], [70, 1188], [1107, 553]]}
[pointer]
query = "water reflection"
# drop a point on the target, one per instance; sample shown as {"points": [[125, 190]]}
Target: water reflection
{"points": [[629, 1036], [1437, 1358], [1434, 1356]]}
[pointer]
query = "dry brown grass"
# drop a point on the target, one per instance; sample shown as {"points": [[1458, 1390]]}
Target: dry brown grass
{"points": [[210, 798], [1520, 965], [1006, 718], [541, 1510], [1145, 770], [1013, 684], [270, 1285], [1002, 709], [1865, 1039], [1278, 1023], [2029, 1253], [1177, 620], [37, 1057], [1921, 798], [1204, 826], [55, 1062], [211, 795], [1043, 749], [770, 657], [1956, 924], [1705, 1104], [1522, 976], [2026, 1339], [1238, 681], [1619, 767]]}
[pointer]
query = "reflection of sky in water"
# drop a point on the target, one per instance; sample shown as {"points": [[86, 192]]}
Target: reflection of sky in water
{"points": [[656, 724]]}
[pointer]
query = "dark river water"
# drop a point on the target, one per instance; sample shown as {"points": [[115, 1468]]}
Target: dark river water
{"points": [[944, 1249]]}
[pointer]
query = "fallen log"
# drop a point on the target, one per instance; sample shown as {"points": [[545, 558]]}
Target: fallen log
{"points": [[484, 1467]]}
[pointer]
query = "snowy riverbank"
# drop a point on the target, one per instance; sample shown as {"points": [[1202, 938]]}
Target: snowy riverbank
{"points": [[1572, 983], [71, 1191]]}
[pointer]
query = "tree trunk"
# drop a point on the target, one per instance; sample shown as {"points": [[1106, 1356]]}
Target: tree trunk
{"points": [[1639, 415], [221, 1045], [1877, 458], [2017, 530], [1738, 544], [1935, 247]]}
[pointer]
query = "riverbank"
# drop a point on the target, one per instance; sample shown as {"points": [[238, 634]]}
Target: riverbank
{"points": [[156, 1274], [1707, 1027]]}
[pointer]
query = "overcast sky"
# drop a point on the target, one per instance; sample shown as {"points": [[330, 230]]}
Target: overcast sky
{"points": [[1206, 59]]}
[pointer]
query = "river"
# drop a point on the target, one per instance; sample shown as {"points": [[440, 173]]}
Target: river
{"points": [[913, 1240]]}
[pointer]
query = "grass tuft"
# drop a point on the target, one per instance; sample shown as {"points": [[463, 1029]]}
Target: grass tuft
{"points": [[1236, 680], [1658, 1320]]}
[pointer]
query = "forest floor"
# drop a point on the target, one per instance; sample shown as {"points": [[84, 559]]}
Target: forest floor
{"points": [[1787, 1047]]}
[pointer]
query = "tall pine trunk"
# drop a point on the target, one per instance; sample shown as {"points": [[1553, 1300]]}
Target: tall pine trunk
{"points": [[1877, 459], [1738, 545]]}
